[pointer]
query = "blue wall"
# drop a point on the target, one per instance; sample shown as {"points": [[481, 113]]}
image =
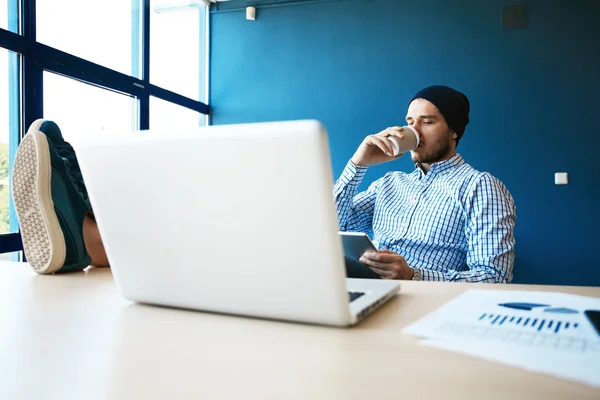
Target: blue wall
{"points": [[535, 98]]}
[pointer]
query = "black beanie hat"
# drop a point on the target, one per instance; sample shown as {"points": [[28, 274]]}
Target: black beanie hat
{"points": [[453, 105]]}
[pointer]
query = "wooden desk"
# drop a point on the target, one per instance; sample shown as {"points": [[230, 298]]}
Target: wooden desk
{"points": [[73, 337]]}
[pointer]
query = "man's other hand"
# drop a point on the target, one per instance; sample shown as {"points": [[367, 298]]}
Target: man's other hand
{"points": [[387, 264]]}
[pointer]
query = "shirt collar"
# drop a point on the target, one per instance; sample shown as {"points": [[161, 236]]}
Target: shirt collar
{"points": [[443, 166]]}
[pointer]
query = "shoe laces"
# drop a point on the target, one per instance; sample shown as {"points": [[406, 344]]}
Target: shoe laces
{"points": [[67, 153]]}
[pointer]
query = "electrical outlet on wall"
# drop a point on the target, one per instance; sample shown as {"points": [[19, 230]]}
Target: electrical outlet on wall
{"points": [[561, 178]]}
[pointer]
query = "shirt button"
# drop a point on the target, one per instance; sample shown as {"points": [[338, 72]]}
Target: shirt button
{"points": [[404, 224]]}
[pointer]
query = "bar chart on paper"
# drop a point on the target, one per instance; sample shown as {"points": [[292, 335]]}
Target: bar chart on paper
{"points": [[534, 324], [545, 332], [557, 324]]}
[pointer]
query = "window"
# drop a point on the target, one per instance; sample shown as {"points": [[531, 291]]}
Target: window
{"points": [[88, 66], [165, 116], [177, 50], [79, 108], [101, 32], [14, 256], [4, 139], [9, 15], [8, 136]]}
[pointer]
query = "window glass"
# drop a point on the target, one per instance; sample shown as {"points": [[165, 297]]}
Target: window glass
{"points": [[165, 115], [15, 256], [106, 32], [9, 133], [177, 47], [79, 108], [9, 15]]}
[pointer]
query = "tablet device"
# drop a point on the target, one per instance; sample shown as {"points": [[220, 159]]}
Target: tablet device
{"points": [[594, 317], [355, 244]]}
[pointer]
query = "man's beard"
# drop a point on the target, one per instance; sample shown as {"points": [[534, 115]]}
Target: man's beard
{"points": [[435, 155]]}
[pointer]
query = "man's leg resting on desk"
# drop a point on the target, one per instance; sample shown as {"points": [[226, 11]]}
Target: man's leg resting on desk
{"points": [[93, 242], [58, 229]]}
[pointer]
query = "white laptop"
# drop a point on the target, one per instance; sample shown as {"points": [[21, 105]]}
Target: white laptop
{"points": [[235, 219]]}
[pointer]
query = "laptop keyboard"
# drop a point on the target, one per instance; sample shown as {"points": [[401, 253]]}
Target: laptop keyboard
{"points": [[354, 295]]}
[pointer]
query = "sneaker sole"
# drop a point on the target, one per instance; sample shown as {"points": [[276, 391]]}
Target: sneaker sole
{"points": [[42, 236]]}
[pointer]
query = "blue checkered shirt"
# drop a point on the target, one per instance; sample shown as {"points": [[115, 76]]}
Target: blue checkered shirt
{"points": [[453, 223]]}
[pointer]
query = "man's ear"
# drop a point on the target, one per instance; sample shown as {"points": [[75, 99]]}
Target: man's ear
{"points": [[454, 135]]}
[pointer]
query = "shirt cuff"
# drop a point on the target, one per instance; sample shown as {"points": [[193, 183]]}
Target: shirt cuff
{"points": [[353, 174], [418, 275]]}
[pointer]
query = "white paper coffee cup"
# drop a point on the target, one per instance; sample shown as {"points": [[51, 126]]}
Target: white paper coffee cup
{"points": [[409, 142]]}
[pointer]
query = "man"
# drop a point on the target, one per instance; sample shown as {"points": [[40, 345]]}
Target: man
{"points": [[445, 221], [58, 229]]}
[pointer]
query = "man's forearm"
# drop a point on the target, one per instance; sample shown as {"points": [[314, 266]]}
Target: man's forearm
{"points": [[344, 190], [476, 275]]}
